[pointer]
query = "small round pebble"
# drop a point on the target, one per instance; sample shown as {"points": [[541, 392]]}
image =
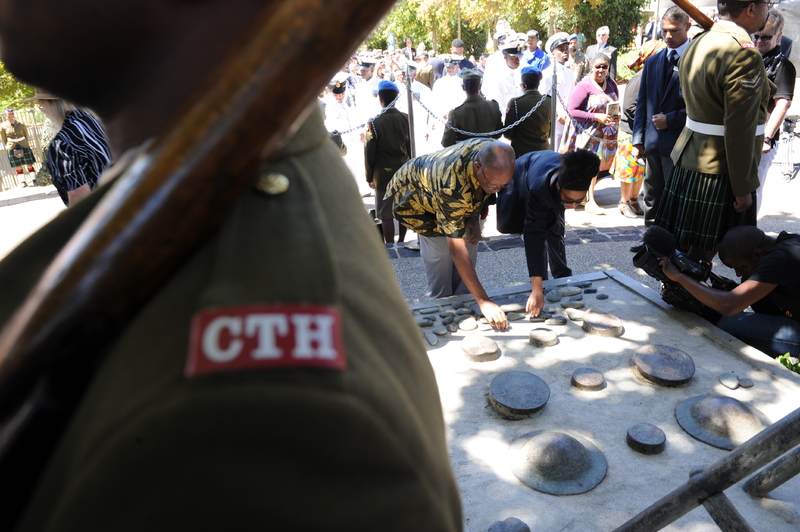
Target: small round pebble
{"points": [[479, 348], [583, 284], [447, 320], [554, 296], [512, 307], [729, 380], [550, 310], [512, 524], [579, 297], [556, 320], [570, 291], [424, 322], [445, 314], [590, 291], [543, 338], [439, 331], [542, 317], [452, 327], [744, 382], [575, 314], [457, 304], [646, 438], [463, 311], [429, 310], [514, 316], [588, 379], [432, 338], [573, 304], [469, 324], [483, 319], [602, 296]]}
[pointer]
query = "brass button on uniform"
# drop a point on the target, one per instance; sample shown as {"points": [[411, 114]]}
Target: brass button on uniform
{"points": [[272, 183]]}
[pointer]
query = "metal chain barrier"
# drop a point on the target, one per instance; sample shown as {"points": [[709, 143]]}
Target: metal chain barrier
{"points": [[360, 126]]}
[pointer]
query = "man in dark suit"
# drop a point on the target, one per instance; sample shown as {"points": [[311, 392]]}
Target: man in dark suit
{"points": [[545, 183], [476, 114], [661, 110], [603, 47]]}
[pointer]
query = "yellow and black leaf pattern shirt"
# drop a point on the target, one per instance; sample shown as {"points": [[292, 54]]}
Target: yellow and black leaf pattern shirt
{"points": [[434, 194]]}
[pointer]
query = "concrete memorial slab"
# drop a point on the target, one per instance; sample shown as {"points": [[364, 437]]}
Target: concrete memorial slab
{"points": [[480, 439]]}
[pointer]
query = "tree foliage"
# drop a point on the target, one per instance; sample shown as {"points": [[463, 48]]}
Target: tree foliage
{"points": [[12, 91], [435, 22]]}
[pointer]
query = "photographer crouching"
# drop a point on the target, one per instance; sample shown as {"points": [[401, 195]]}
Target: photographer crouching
{"points": [[769, 268]]}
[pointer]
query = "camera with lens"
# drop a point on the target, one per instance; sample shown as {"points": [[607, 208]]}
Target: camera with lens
{"points": [[660, 243]]}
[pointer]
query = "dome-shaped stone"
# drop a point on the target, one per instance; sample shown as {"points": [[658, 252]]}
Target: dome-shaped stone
{"points": [[556, 462], [720, 421]]}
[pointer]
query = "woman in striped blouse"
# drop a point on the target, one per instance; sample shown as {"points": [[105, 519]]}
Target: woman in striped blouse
{"points": [[78, 153]]}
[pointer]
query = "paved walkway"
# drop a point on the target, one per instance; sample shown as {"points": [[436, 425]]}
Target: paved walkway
{"points": [[15, 196]]}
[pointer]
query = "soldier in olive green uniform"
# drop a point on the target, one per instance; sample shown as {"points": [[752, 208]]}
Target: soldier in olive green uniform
{"points": [[717, 154], [388, 147], [475, 115], [533, 132], [276, 381]]}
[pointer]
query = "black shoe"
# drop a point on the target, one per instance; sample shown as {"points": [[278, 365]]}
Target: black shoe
{"points": [[637, 248]]}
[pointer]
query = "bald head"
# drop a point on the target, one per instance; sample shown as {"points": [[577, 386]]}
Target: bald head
{"points": [[495, 163]]}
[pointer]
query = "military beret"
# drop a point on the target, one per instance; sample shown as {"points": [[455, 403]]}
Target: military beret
{"points": [[471, 73], [457, 43], [387, 86], [529, 70], [533, 33], [573, 36]]}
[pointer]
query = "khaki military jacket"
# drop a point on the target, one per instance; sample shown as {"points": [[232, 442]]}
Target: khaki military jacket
{"points": [[13, 134], [724, 84], [476, 115], [533, 132], [193, 422]]}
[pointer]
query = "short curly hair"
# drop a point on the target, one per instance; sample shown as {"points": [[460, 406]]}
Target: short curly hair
{"points": [[577, 169]]}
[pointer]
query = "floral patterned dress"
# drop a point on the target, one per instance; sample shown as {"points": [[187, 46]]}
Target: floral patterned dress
{"points": [[585, 133]]}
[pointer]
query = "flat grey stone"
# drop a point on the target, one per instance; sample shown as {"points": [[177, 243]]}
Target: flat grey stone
{"points": [[583, 284], [518, 394], [646, 438], [452, 327], [665, 365], [447, 320], [595, 322], [512, 524], [588, 379], [550, 310], [482, 320], [590, 290], [579, 297], [744, 382], [463, 311], [463, 317], [439, 331], [484, 327], [575, 314], [554, 296], [543, 337], [512, 307], [729, 380], [424, 322], [556, 320], [569, 291], [457, 304], [431, 338], [469, 324], [573, 304], [515, 316], [446, 314], [429, 310], [479, 348], [602, 296]]}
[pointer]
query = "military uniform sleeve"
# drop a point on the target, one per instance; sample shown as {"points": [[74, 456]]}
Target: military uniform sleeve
{"points": [[499, 121], [746, 89], [510, 119], [449, 135], [370, 149]]}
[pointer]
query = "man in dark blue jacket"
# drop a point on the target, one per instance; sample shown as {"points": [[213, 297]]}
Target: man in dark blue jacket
{"points": [[545, 183], [660, 110]]}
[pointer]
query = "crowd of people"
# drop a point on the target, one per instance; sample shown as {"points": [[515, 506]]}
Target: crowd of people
{"points": [[655, 141]]}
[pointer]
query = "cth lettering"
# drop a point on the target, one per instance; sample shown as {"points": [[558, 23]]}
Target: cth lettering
{"points": [[251, 337]]}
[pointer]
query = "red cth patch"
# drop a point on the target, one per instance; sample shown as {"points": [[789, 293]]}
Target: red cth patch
{"points": [[748, 45], [265, 337]]}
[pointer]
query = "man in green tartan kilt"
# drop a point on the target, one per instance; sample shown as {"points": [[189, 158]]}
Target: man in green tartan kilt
{"points": [[716, 156]]}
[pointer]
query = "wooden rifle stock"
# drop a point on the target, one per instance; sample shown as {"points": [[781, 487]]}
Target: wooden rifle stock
{"points": [[698, 16], [176, 192]]}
